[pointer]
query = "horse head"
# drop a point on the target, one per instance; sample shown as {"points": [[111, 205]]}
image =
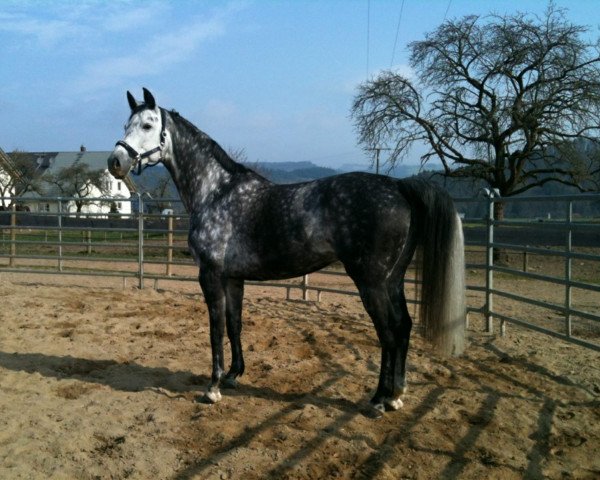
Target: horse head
{"points": [[146, 139]]}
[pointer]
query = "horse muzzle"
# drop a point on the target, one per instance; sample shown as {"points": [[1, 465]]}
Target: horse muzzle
{"points": [[119, 164]]}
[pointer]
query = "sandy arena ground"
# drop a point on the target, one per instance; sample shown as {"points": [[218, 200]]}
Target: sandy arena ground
{"points": [[98, 381]]}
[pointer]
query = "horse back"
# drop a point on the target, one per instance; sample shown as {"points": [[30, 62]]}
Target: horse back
{"points": [[265, 231], [293, 229]]}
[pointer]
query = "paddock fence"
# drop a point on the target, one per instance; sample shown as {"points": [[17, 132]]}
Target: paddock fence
{"points": [[538, 267]]}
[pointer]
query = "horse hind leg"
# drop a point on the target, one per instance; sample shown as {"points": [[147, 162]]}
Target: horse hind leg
{"points": [[401, 320], [402, 330], [387, 307], [401, 325], [379, 307], [392, 383]]}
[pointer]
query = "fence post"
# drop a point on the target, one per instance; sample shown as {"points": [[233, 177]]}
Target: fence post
{"points": [[140, 241], [60, 250], [169, 244], [13, 234], [489, 264], [88, 239], [568, 268], [305, 287]]}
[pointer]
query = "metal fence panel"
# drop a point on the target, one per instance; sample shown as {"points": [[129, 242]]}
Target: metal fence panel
{"points": [[150, 243]]}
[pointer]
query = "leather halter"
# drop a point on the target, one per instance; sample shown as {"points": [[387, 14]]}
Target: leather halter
{"points": [[138, 157]]}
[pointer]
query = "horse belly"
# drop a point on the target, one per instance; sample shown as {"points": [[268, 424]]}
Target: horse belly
{"points": [[269, 260]]}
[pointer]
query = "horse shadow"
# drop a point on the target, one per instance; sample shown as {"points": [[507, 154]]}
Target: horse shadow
{"points": [[124, 376], [134, 377]]}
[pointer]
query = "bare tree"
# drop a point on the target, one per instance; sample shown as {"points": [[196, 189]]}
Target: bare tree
{"points": [[498, 98], [78, 181], [160, 188], [239, 155], [18, 174]]}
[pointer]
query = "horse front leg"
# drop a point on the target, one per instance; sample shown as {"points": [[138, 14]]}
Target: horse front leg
{"points": [[214, 295], [234, 295]]}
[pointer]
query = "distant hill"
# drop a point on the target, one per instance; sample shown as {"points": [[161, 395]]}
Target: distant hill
{"points": [[282, 166], [398, 171], [291, 172]]}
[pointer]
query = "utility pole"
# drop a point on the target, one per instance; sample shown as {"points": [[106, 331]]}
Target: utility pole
{"points": [[377, 151]]}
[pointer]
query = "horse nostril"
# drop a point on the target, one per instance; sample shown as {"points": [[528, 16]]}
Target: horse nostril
{"points": [[115, 163]]}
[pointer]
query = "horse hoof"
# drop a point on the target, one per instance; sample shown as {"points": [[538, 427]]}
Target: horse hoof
{"points": [[212, 396], [393, 404], [229, 382], [373, 410]]}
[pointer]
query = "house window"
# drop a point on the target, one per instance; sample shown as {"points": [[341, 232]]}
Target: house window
{"points": [[119, 205], [119, 186]]}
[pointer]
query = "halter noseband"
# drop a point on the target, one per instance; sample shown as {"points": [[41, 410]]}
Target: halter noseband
{"points": [[138, 157]]}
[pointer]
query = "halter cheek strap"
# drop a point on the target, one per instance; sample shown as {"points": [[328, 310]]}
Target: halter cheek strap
{"points": [[138, 157]]}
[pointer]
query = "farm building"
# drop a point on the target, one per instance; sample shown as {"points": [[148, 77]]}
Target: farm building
{"points": [[80, 174]]}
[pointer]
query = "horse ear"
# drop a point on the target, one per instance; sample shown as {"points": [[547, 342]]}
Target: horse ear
{"points": [[149, 99], [132, 102]]}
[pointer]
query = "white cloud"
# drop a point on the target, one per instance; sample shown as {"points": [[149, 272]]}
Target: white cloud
{"points": [[47, 32], [112, 41], [156, 52], [123, 19], [77, 24]]}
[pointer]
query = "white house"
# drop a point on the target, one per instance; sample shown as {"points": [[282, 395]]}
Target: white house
{"points": [[6, 189], [49, 163]]}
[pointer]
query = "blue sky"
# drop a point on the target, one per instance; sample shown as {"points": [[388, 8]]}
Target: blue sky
{"points": [[275, 78]]}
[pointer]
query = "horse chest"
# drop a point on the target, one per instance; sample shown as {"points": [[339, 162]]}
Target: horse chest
{"points": [[217, 235], [210, 235]]}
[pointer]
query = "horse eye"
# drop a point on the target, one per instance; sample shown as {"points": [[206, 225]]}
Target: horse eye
{"points": [[147, 126]]}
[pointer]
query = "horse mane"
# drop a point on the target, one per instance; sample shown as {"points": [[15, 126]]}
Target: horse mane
{"points": [[212, 146]]}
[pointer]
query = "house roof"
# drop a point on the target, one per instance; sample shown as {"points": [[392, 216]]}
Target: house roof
{"points": [[95, 160], [48, 163]]}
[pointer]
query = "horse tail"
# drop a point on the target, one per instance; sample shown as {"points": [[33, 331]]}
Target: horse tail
{"points": [[440, 264]]}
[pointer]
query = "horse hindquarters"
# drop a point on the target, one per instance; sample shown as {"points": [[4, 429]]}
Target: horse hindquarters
{"points": [[378, 273]]}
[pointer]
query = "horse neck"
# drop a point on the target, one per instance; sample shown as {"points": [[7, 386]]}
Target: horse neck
{"points": [[196, 166]]}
